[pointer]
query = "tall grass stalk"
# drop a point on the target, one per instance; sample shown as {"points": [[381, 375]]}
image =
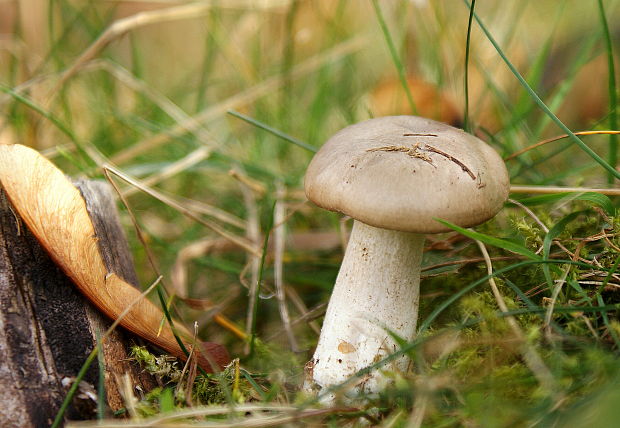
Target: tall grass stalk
{"points": [[466, 124], [613, 92]]}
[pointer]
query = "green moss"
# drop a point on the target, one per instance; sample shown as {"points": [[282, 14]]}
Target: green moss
{"points": [[216, 388], [162, 366], [269, 357], [530, 231]]}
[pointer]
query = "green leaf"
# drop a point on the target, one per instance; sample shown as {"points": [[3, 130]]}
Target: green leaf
{"points": [[490, 240], [598, 199]]}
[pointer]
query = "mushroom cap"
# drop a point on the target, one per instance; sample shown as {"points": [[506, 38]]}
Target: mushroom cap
{"points": [[402, 172]]}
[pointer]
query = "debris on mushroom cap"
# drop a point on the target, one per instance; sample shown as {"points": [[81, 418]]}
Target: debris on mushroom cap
{"points": [[401, 172]]}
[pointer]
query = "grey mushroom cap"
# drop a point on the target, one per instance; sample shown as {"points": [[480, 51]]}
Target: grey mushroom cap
{"points": [[402, 172]]}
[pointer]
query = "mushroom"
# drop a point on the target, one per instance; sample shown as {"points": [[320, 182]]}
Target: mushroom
{"points": [[394, 176]]}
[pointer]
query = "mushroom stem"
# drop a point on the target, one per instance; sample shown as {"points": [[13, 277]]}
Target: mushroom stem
{"points": [[376, 291]]}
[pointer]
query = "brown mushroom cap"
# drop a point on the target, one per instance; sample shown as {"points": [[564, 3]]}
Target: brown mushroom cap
{"points": [[401, 172]]}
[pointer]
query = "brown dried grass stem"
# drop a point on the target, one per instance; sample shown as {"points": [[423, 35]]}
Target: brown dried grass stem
{"points": [[545, 190], [241, 242], [556, 138], [176, 13]]}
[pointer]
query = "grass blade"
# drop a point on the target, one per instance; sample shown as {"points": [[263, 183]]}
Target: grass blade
{"points": [[583, 55], [54, 120], [260, 280], [598, 199], [466, 125], [101, 392], [74, 387], [541, 104], [613, 94], [490, 240], [395, 58], [273, 131]]}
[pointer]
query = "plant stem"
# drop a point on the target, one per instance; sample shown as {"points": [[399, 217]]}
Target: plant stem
{"points": [[466, 125], [613, 97]]}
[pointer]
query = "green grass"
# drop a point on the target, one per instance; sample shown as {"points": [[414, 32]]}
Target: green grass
{"points": [[257, 91], [613, 92]]}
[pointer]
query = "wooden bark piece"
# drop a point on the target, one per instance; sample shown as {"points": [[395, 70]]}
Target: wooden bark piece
{"points": [[47, 328], [101, 206]]}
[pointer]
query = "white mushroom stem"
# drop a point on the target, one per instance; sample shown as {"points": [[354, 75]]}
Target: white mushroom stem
{"points": [[377, 290]]}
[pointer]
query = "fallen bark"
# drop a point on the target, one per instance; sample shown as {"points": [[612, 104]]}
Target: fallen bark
{"points": [[47, 329]]}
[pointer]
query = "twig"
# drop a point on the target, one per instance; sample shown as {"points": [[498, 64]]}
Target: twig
{"points": [[126, 391], [256, 186], [189, 367], [453, 159]]}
